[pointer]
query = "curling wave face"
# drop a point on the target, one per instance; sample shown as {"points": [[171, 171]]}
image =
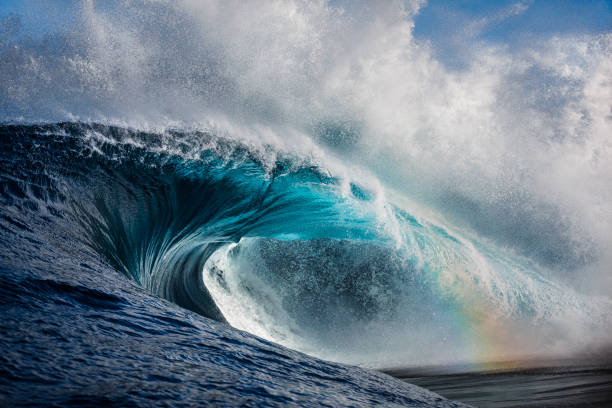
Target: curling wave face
{"points": [[275, 245], [80, 205]]}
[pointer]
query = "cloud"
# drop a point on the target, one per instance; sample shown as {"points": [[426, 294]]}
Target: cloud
{"points": [[475, 28]]}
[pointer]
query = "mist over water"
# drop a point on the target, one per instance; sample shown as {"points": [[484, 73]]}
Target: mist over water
{"points": [[477, 198]]}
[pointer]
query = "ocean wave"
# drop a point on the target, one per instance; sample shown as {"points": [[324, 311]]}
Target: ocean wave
{"points": [[276, 245]]}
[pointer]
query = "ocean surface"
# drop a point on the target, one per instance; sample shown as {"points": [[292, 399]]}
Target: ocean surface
{"points": [[560, 383]]}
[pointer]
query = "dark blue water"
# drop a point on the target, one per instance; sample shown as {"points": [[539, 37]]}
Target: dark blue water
{"points": [[105, 233], [585, 382]]}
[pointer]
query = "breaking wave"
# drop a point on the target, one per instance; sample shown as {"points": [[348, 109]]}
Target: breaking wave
{"points": [[274, 244]]}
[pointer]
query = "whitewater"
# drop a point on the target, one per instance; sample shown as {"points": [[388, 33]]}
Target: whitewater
{"points": [[228, 203]]}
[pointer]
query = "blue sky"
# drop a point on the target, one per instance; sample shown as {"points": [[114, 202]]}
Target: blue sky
{"points": [[450, 25], [39, 17], [535, 17]]}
